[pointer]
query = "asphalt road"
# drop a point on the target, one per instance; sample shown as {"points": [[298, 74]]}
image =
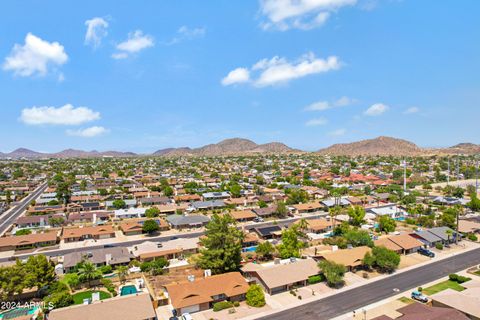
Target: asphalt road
{"points": [[128, 243], [356, 298], [9, 217]]}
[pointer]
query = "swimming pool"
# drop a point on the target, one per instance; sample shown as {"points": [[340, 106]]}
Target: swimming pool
{"points": [[126, 290], [18, 312], [250, 249]]}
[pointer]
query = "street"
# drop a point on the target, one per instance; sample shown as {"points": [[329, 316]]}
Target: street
{"points": [[350, 300]]}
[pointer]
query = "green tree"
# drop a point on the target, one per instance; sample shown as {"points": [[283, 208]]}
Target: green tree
{"points": [[333, 272], [449, 217], [12, 280], [152, 212], [474, 203], [122, 272], [119, 204], [296, 196], [39, 271], [291, 245], [255, 296], [88, 272], [222, 245], [356, 214], [385, 260], [265, 250], [235, 190], [168, 191], [387, 224], [72, 280], [150, 226], [281, 211], [262, 204], [59, 300], [358, 238], [368, 260]]}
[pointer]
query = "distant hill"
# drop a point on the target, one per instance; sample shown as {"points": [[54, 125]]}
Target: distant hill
{"points": [[462, 148], [378, 146], [24, 153], [68, 153], [234, 146]]}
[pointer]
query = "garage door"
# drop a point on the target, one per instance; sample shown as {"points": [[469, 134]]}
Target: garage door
{"points": [[190, 309]]}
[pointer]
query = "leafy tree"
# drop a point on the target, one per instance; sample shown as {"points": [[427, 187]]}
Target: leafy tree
{"points": [[255, 296], [12, 280], [358, 238], [150, 226], [122, 272], [222, 245], [119, 204], [368, 260], [23, 232], [281, 211], [39, 271], [356, 214], [474, 203], [265, 250], [59, 300], [291, 245], [168, 191], [387, 224], [385, 260], [296, 196], [235, 190], [333, 272], [88, 272], [56, 221], [262, 204], [152, 212], [449, 217], [458, 192], [72, 280]]}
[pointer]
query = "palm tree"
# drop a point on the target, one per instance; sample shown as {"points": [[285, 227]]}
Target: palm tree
{"points": [[122, 272], [303, 224], [88, 272], [449, 233]]}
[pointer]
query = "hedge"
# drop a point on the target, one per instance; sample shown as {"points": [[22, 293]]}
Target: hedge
{"points": [[458, 278], [315, 279], [222, 305]]}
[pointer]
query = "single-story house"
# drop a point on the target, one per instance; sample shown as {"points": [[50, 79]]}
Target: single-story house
{"points": [[207, 205], [265, 212], [177, 248], [89, 217], [130, 307], [178, 221], [417, 310], [441, 232], [466, 301], [276, 278], [268, 232], [150, 201], [135, 226], [36, 221], [28, 241], [389, 244], [307, 207], [406, 242], [129, 203], [215, 195], [427, 238], [243, 215], [350, 258], [106, 256], [391, 210], [317, 225], [201, 294], [130, 213], [467, 226], [329, 203], [84, 233]]}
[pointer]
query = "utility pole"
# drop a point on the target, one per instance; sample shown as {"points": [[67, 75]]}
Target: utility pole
{"points": [[404, 176], [476, 178]]}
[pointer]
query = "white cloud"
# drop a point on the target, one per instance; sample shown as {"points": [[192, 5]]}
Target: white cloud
{"points": [[278, 70], [34, 57], [96, 30], [411, 110], [66, 115], [325, 105], [136, 42], [316, 122], [88, 132], [238, 75], [299, 14], [186, 33], [376, 109], [337, 133]]}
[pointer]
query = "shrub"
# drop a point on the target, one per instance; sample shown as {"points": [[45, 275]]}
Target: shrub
{"points": [[439, 246], [419, 289], [255, 296], [222, 305], [472, 237], [458, 278], [106, 269], [236, 303], [315, 279]]}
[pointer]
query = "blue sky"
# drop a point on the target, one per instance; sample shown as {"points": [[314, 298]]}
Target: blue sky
{"points": [[153, 74]]}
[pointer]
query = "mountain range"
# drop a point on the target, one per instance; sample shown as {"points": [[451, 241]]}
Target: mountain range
{"points": [[238, 146]]}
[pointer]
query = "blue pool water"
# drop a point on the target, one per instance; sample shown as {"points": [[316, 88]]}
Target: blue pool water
{"points": [[250, 249], [126, 290]]}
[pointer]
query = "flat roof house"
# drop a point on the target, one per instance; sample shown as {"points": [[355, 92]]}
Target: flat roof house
{"points": [[201, 294], [130, 213], [268, 232], [243, 215], [350, 258], [275, 278], [308, 207], [191, 221], [130, 307]]}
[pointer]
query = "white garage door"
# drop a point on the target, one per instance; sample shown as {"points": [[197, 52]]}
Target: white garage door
{"points": [[190, 309]]}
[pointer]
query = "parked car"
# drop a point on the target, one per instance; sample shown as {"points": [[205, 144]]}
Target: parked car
{"points": [[426, 252], [417, 295], [258, 219]]}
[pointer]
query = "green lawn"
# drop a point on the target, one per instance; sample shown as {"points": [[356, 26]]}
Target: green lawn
{"points": [[78, 297], [477, 273], [448, 284]]}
